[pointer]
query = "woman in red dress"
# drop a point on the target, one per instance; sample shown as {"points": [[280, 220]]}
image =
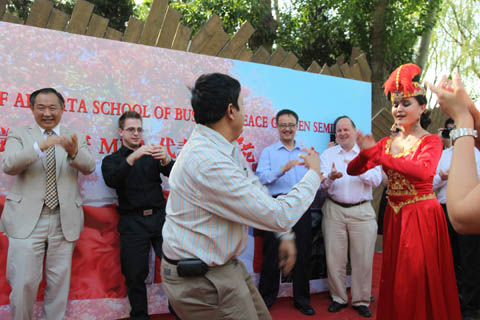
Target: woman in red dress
{"points": [[418, 279]]}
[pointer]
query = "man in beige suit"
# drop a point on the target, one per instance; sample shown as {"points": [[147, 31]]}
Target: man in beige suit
{"points": [[43, 214]]}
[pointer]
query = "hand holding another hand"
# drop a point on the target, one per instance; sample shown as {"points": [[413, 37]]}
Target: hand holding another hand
{"points": [[160, 153], [140, 152], [70, 144]]}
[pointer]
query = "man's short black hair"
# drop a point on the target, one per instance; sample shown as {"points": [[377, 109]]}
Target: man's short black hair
{"points": [[340, 118], [211, 96], [130, 114], [288, 112], [34, 95]]}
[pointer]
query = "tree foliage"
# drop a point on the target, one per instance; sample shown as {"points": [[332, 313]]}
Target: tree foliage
{"points": [[456, 43], [117, 11], [195, 13], [322, 30]]}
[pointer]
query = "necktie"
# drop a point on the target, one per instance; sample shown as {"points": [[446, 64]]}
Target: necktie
{"points": [[51, 196]]}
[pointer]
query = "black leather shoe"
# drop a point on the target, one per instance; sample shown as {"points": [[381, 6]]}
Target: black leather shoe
{"points": [[306, 310], [335, 306], [363, 311]]}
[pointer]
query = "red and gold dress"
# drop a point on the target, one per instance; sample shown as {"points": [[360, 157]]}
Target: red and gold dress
{"points": [[418, 279]]}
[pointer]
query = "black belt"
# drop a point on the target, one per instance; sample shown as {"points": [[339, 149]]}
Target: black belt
{"points": [[174, 262], [348, 205], [140, 212]]}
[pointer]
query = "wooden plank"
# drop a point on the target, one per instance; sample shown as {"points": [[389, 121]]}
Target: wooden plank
{"points": [[277, 57], [134, 30], [39, 13], [154, 22], [340, 60], [216, 43], [113, 34], [8, 17], [355, 53], [182, 38], [169, 27], [3, 6], [245, 54], [314, 67], [438, 119], [261, 55], [80, 17], [298, 67], [290, 61], [58, 20], [238, 41], [364, 67], [335, 71], [356, 72], [326, 70], [381, 123], [97, 26], [205, 33], [345, 69]]}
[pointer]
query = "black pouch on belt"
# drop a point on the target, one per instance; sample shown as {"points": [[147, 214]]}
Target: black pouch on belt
{"points": [[191, 268]]}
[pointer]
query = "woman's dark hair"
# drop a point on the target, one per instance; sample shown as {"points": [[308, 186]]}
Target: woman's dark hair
{"points": [[211, 96], [425, 120]]}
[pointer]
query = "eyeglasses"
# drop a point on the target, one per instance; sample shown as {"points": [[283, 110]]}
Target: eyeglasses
{"points": [[132, 130], [287, 125]]}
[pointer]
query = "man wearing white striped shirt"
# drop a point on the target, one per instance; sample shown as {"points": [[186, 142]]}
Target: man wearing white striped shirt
{"points": [[214, 197]]}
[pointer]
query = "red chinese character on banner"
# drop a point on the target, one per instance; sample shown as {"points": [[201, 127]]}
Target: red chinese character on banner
{"points": [[180, 144], [247, 146], [168, 142], [3, 138], [249, 156]]}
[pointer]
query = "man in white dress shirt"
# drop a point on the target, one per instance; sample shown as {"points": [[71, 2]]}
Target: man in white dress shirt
{"points": [[349, 221], [465, 248], [214, 197]]}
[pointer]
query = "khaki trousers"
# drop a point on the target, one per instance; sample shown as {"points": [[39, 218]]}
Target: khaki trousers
{"points": [[355, 226], [224, 292], [25, 267]]}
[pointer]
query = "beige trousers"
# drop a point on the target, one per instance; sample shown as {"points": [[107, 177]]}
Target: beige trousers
{"points": [[25, 267], [224, 292], [354, 228]]}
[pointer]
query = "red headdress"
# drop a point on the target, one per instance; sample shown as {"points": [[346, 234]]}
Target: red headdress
{"points": [[400, 84]]}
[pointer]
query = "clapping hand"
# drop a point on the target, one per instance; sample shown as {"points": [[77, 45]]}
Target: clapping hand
{"points": [[159, 153], [334, 174], [311, 160], [140, 152], [365, 141]]}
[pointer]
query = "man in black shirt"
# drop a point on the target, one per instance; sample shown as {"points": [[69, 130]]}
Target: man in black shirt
{"points": [[134, 172]]}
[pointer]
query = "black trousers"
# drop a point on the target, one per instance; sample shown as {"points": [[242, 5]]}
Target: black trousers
{"points": [[137, 235], [466, 260], [270, 275]]}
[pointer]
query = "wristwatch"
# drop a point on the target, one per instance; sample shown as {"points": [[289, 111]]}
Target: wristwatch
{"points": [[461, 132]]}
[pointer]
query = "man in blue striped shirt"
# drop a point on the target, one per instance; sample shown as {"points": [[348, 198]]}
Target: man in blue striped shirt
{"points": [[279, 170]]}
